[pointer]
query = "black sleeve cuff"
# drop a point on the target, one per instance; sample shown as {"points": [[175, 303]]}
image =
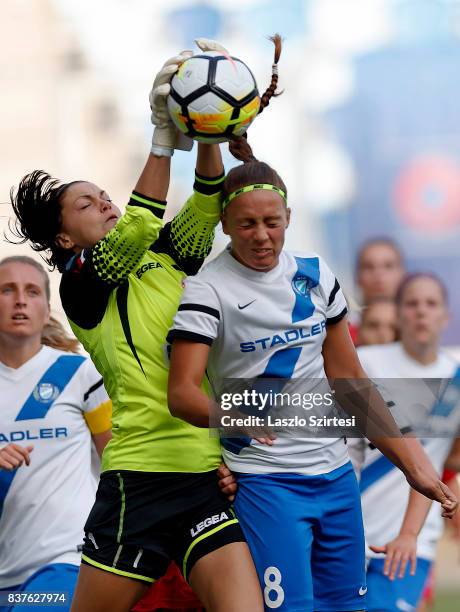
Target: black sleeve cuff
{"points": [[338, 318], [180, 334], [157, 207], [208, 185]]}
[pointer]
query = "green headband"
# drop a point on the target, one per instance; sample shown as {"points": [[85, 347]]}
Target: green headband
{"points": [[255, 187]]}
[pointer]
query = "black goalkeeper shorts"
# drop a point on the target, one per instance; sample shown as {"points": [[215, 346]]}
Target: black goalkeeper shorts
{"points": [[142, 520]]}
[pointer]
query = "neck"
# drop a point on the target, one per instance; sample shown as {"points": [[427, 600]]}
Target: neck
{"points": [[425, 354], [14, 352]]}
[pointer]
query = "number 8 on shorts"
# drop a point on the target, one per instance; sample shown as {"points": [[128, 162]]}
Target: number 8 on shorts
{"points": [[272, 581]]}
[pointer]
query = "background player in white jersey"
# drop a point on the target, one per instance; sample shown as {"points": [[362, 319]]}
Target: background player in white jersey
{"points": [[422, 315], [259, 311], [53, 403]]}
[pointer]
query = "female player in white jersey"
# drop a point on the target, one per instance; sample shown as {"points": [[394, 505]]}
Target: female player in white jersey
{"points": [[422, 318], [259, 311], [53, 403]]}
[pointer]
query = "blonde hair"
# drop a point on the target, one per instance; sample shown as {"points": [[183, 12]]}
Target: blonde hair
{"points": [[55, 336]]}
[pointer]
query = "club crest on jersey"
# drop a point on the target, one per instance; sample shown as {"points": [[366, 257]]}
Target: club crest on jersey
{"points": [[302, 285], [45, 392]]}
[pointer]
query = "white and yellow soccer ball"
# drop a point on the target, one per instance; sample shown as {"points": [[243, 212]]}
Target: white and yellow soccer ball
{"points": [[213, 97]]}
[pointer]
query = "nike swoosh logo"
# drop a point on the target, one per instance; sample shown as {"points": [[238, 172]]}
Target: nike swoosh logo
{"points": [[246, 305], [362, 591]]}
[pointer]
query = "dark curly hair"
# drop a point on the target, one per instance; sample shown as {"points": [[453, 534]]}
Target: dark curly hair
{"points": [[37, 206]]}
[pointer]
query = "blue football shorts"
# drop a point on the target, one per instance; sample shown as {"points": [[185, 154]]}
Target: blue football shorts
{"points": [[53, 578], [398, 595], [306, 538]]}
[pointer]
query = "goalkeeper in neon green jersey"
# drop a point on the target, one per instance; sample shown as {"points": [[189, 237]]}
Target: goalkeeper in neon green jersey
{"points": [[122, 276]]}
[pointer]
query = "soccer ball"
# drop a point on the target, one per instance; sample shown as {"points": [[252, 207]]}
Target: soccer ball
{"points": [[213, 97]]}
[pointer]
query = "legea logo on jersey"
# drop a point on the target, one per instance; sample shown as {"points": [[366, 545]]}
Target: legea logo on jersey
{"points": [[45, 393], [302, 284], [153, 265]]}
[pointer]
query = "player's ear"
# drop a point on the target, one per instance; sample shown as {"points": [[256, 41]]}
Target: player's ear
{"points": [[224, 221], [64, 241], [288, 217]]}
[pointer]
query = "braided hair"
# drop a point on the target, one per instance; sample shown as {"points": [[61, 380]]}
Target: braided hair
{"points": [[271, 89], [252, 170]]}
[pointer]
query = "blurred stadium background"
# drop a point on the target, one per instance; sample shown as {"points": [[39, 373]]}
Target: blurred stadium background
{"points": [[366, 134]]}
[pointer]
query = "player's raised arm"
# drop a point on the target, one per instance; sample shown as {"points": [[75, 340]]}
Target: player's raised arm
{"points": [[188, 238], [191, 232], [141, 224], [77, 223]]}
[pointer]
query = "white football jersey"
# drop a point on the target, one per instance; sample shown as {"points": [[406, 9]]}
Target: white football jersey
{"points": [[271, 324], [43, 506], [380, 480]]}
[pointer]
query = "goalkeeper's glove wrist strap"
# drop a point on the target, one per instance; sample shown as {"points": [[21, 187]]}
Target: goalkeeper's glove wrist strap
{"points": [[161, 151]]}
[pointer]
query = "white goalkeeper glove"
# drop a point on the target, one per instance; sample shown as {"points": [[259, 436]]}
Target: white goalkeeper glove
{"points": [[205, 44], [166, 137]]}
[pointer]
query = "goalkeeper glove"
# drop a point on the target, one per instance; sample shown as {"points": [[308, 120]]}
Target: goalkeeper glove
{"points": [[166, 137]]}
